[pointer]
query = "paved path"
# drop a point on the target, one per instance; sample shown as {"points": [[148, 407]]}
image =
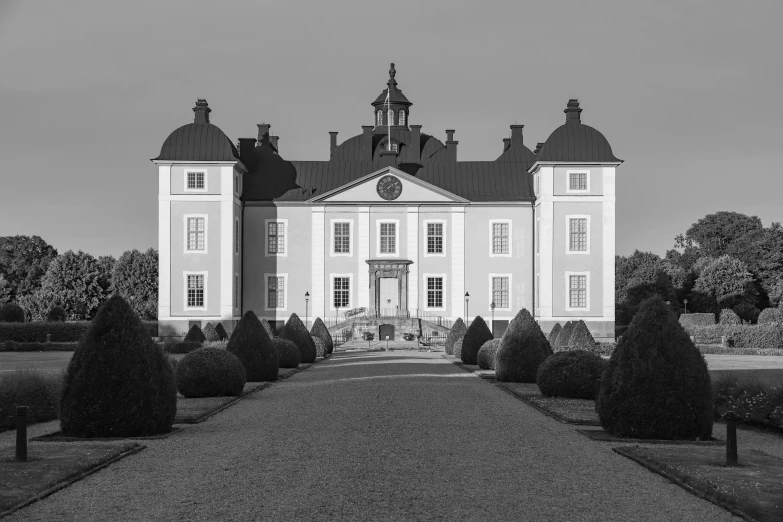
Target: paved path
{"points": [[376, 436]]}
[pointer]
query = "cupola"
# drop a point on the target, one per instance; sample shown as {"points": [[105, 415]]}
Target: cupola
{"points": [[391, 107]]}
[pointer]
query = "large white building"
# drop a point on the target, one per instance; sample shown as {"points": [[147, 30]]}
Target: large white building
{"points": [[392, 223]]}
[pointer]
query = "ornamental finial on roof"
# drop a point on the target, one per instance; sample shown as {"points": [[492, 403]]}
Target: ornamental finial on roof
{"points": [[392, 72]]}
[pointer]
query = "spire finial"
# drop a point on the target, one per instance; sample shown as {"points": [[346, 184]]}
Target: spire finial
{"points": [[392, 71]]}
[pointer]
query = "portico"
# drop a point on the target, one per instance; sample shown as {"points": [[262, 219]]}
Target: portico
{"points": [[389, 283]]}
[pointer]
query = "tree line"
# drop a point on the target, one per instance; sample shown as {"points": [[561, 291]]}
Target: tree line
{"points": [[34, 276], [724, 260]]}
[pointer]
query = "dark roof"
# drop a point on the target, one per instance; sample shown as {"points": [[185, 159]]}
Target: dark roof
{"points": [[198, 142], [396, 96], [272, 178], [576, 142], [432, 149], [517, 153]]}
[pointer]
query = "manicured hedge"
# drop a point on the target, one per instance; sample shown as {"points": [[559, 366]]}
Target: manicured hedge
{"points": [[478, 333], [11, 313], [182, 347], [553, 333], [743, 335], [210, 372], [15, 346], [210, 333], [770, 315], [39, 391], [523, 348], [319, 330], [581, 338], [573, 374], [457, 332], [457, 348], [487, 354], [61, 332], [688, 320], [195, 335], [288, 354]]}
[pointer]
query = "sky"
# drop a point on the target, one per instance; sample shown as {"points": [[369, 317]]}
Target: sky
{"points": [[688, 93]]}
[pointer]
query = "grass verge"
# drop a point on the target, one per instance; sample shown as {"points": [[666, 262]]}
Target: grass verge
{"points": [[603, 436], [751, 490], [50, 468], [568, 411]]}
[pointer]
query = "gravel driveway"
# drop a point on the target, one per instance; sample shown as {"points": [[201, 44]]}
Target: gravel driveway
{"points": [[376, 436]]}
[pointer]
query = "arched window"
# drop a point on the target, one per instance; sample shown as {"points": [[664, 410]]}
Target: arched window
{"points": [[402, 117], [379, 118], [391, 117]]}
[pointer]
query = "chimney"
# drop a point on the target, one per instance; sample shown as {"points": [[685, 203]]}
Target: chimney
{"points": [[416, 142], [516, 135], [389, 158], [263, 134], [539, 145], [366, 143], [246, 145], [332, 142], [572, 111], [451, 146], [506, 144], [273, 141], [202, 111]]}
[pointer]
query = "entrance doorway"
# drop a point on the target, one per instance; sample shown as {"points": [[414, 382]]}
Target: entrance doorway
{"points": [[386, 330], [390, 294]]}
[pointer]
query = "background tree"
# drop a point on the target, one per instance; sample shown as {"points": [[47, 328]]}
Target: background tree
{"points": [[714, 233], [728, 281], [135, 277], [106, 267], [23, 262], [639, 277]]}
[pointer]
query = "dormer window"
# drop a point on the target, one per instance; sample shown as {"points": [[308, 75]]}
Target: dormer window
{"points": [[391, 117], [385, 146], [379, 118], [402, 117]]}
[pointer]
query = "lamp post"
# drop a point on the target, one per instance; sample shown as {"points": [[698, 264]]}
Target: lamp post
{"points": [[492, 307], [307, 303], [467, 297], [686, 305]]}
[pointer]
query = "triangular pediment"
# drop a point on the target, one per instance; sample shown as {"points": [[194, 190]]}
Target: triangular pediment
{"points": [[365, 190]]}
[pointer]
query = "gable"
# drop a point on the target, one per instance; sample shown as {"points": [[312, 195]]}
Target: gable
{"points": [[365, 189]]}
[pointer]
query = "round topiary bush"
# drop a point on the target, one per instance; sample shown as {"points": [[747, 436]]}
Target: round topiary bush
{"points": [[523, 348], [319, 330], [118, 382], [457, 332], [581, 338], [573, 374], [747, 312], [267, 327], [770, 316], [657, 384], [11, 313], [564, 337], [486, 355], [457, 348], [554, 333], [56, 314], [295, 331], [210, 333], [210, 372], [478, 333], [320, 347], [729, 316], [288, 353], [222, 335], [195, 335], [252, 345]]}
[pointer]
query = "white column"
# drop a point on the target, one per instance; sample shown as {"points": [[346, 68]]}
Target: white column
{"points": [[164, 242], [609, 243], [413, 255], [226, 258], [546, 277], [363, 254], [457, 261], [319, 251]]}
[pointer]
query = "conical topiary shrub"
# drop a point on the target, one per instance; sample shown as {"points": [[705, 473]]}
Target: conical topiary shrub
{"points": [[210, 372], [252, 345], [267, 327], [554, 333], [457, 331], [195, 335], [319, 330], [210, 333], [457, 348], [573, 374], [294, 330], [581, 339], [523, 348], [288, 353], [564, 336], [486, 355], [118, 383], [656, 385], [478, 333], [222, 334], [729, 316], [320, 347]]}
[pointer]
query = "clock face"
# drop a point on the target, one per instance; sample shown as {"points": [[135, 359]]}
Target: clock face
{"points": [[389, 188]]}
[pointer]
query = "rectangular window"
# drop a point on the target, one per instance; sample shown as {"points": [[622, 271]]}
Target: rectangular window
{"points": [[195, 180], [500, 292], [195, 233], [577, 181], [342, 292], [276, 295], [342, 238], [577, 236], [435, 292], [388, 238], [500, 238], [434, 238], [236, 237], [276, 238], [195, 291], [577, 291]]}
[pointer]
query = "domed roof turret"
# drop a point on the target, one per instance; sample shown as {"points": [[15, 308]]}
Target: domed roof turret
{"points": [[395, 95], [198, 141], [576, 142]]}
